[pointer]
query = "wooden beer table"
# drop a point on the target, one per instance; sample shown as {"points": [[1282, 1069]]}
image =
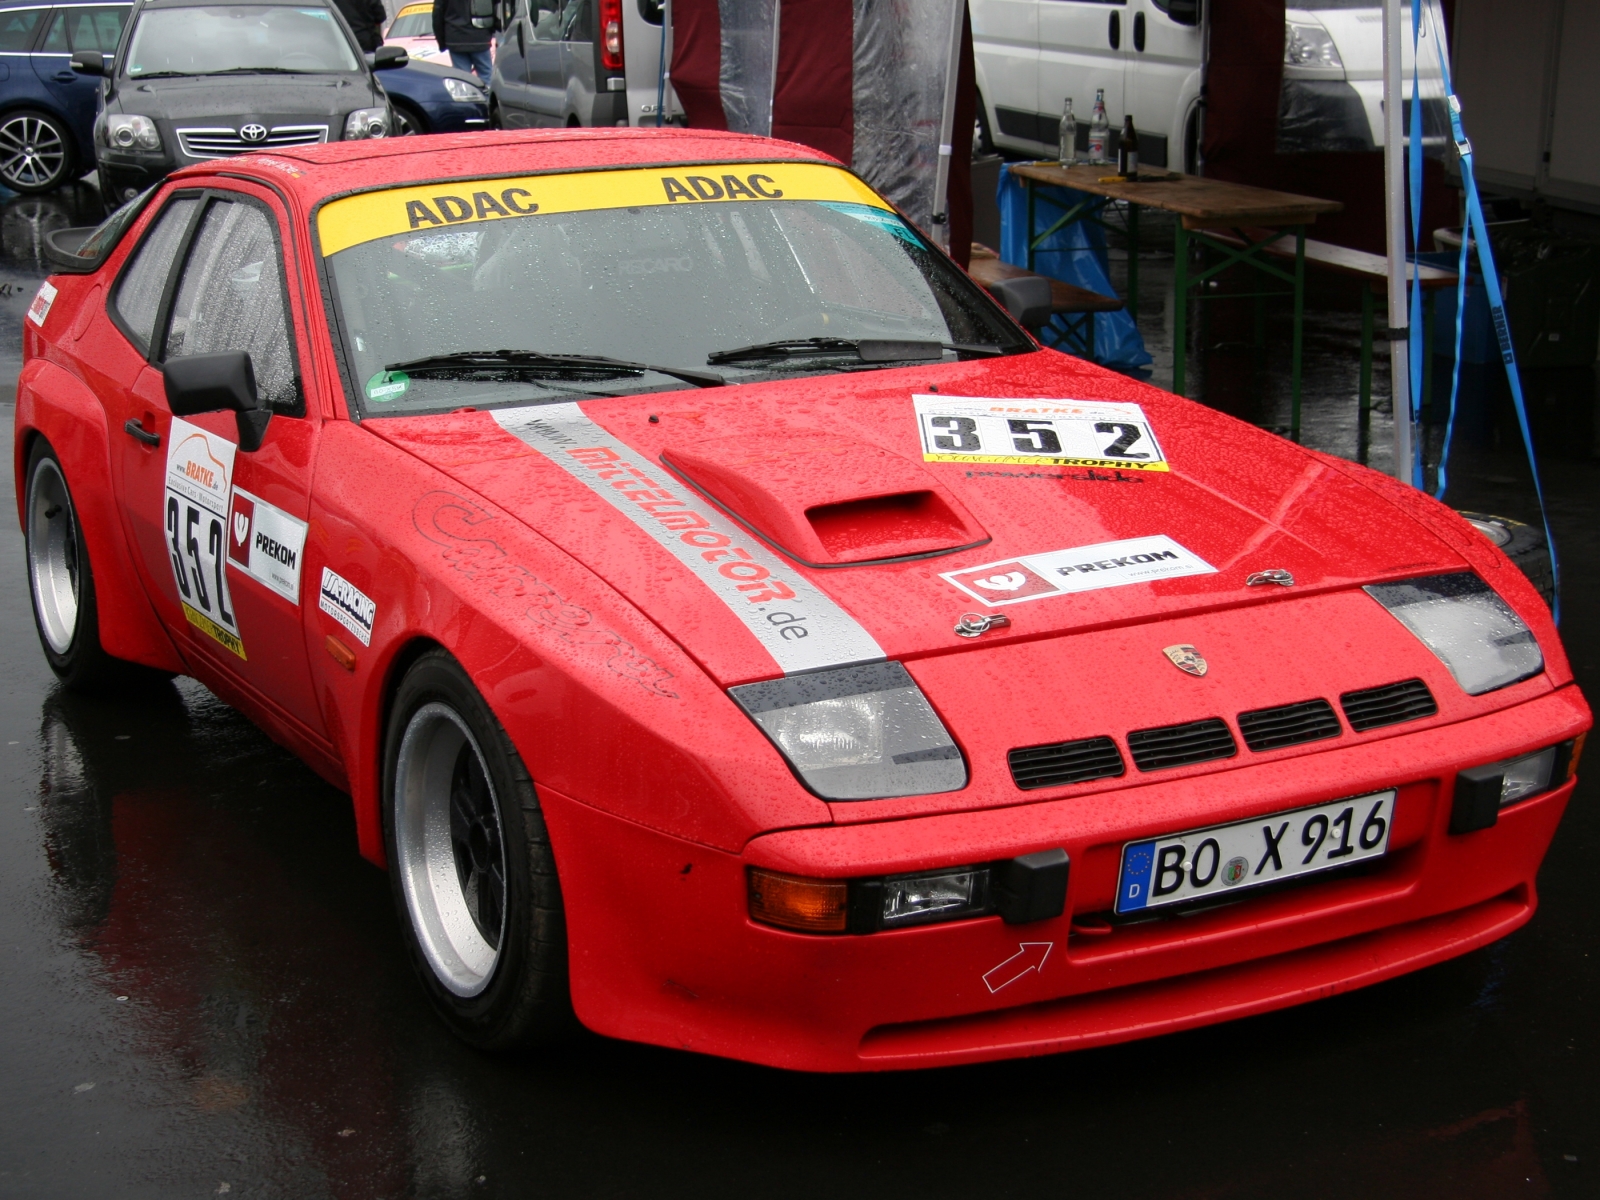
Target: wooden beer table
{"points": [[1201, 205]]}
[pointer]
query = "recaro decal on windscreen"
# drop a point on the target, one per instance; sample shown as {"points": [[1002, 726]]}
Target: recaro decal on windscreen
{"points": [[801, 627], [370, 215]]}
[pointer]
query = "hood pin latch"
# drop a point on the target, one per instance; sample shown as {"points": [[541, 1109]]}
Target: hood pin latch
{"points": [[972, 625], [1275, 575]]}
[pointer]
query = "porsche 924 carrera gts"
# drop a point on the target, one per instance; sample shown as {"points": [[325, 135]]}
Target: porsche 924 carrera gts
{"points": [[736, 633]]}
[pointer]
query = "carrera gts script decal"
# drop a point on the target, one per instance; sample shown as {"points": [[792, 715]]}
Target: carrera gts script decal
{"points": [[1045, 433], [195, 507], [800, 626], [459, 525], [1086, 569]]}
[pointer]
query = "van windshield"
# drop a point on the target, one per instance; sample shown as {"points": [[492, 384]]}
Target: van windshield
{"points": [[754, 289], [247, 39]]}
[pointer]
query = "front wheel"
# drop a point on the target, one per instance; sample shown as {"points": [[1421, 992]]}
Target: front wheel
{"points": [[406, 122], [35, 151], [470, 864]]}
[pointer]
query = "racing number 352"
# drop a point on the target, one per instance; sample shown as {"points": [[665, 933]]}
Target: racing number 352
{"points": [[184, 521], [1034, 437]]}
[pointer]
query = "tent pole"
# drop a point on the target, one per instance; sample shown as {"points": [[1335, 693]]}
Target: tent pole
{"points": [[947, 128], [1394, 185]]}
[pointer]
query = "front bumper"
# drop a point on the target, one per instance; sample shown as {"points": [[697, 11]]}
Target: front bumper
{"points": [[662, 950], [122, 177]]}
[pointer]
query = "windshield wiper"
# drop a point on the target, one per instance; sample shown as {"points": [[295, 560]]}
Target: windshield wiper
{"points": [[533, 360], [163, 75], [260, 71], [871, 350]]}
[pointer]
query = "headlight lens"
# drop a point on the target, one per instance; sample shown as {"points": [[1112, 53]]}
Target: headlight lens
{"points": [[366, 123], [465, 93], [1309, 46], [128, 132], [857, 733], [1466, 624]]}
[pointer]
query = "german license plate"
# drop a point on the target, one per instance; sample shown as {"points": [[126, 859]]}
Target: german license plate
{"points": [[1247, 854]]}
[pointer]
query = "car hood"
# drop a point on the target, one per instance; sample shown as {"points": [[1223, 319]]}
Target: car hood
{"points": [[723, 513], [222, 99]]}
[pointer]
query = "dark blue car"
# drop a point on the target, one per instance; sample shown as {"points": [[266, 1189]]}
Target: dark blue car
{"points": [[47, 110]]}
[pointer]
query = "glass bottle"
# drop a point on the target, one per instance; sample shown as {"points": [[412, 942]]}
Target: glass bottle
{"points": [[1128, 149], [1099, 129], [1069, 135]]}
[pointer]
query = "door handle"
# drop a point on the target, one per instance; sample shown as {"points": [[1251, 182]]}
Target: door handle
{"points": [[1115, 31], [139, 431], [65, 76], [1138, 32]]}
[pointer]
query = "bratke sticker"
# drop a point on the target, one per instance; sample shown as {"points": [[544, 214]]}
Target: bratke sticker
{"points": [[1085, 569], [1053, 433], [199, 479]]}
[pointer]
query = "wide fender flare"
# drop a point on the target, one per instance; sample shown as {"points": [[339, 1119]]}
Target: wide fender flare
{"points": [[57, 405]]}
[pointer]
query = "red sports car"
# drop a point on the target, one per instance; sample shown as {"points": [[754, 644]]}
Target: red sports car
{"points": [[736, 632]]}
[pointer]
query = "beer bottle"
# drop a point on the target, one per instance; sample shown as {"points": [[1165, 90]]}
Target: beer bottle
{"points": [[1128, 151]]}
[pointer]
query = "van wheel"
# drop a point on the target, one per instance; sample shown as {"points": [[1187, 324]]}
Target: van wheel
{"points": [[1523, 545], [470, 864], [980, 133], [65, 608], [495, 120], [1191, 143]]}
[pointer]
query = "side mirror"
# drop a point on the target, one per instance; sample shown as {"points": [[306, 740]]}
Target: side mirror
{"points": [[386, 58], [201, 383], [89, 62], [1183, 12], [61, 247], [1026, 299]]}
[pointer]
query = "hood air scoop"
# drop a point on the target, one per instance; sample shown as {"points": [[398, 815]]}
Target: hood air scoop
{"points": [[827, 501]]}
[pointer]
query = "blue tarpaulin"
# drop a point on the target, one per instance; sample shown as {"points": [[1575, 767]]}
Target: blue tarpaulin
{"points": [[1075, 254]]}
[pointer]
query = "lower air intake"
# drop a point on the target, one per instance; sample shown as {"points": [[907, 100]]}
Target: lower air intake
{"points": [[1376, 707], [1288, 725], [1065, 762], [1180, 745]]}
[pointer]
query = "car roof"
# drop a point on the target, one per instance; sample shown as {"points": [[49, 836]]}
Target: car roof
{"points": [[314, 173]]}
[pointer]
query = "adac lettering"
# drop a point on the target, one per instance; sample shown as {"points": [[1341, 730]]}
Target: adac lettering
{"points": [[480, 206], [732, 562], [726, 187]]}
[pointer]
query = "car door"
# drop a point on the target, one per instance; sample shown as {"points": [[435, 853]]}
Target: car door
{"points": [[219, 530], [71, 28], [1083, 46], [1162, 81], [510, 82], [1005, 43], [579, 62], [547, 84]]}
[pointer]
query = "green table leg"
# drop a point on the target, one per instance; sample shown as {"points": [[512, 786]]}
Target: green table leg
{"points": [[1180, 308], [1027, 189], [1133, 262], [1299, 327], [1366, 352]]}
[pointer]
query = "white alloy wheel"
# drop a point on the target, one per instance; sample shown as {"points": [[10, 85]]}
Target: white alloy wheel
{"points": [[53, 555]]}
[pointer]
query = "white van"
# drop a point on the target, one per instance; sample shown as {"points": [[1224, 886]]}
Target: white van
{"points": [[1147, 54]]}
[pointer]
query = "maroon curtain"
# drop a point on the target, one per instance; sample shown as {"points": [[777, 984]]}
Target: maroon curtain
{"points": [[1241, 132], [697, 62]]}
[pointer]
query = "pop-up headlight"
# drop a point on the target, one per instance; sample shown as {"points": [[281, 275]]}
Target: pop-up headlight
{"points": [[856, 733], [1467, 626]]}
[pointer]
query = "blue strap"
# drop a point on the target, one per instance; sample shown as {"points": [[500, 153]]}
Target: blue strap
{"points": [[661, 73], [1414, 315], [1479, 234]]}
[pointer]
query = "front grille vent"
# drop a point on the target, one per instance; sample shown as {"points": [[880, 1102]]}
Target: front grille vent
{"points": [[1288, 725], [1065, 762], [1388, 705], [1180, 745], [222, 142]]}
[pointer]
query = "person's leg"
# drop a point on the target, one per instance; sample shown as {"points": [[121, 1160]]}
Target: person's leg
{"points": [[483, 64]]}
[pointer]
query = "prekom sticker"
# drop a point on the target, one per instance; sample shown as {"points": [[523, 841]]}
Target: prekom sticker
{"points": [[198, 483], [1054, 433], [1085, 569], [40, 308], [265, 543], [388, 385], [348, 605]]}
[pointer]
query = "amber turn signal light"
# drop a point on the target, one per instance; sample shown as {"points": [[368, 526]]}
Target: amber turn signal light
{"points": [[1577, 753], [813, 905]]}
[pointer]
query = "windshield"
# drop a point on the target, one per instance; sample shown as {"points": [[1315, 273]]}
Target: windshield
{"points": [[412, 23], [243, 38], [669, 282]]}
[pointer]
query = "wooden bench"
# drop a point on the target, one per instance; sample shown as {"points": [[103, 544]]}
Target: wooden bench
{"points": [[1078, 305], [1374, 270]]}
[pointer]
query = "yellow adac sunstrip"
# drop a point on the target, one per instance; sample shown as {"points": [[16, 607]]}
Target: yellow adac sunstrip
{"points": [[414, 8], [434, 206]]}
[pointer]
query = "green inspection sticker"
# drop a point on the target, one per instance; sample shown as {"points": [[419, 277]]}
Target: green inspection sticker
{"points": [[388, 385]]}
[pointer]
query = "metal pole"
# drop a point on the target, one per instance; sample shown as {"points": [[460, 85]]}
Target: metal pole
{"points": [[947, 129], [1394, 185]]}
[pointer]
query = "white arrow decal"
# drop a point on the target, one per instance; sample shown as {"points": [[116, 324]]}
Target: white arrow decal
{"points": [[1030, 956]]}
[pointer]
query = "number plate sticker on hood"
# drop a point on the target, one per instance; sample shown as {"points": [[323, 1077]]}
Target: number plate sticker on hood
{"points": [[1055, 433], [801, 627], [1085, 569]]}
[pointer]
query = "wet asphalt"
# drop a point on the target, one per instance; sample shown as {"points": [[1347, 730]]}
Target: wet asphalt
{"points": [[202, 990]]}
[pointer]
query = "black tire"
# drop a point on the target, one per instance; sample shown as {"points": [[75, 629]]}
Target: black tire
{"points": [[37, 152], [518, 997], [496, 121], [407, 122], [1523, 545], [66, 610]]}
